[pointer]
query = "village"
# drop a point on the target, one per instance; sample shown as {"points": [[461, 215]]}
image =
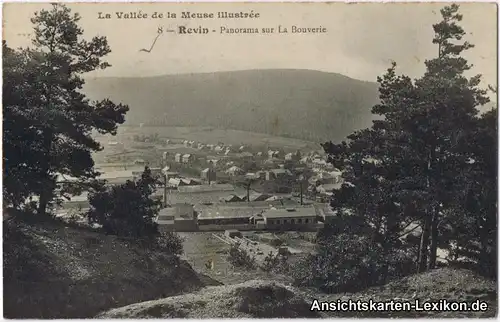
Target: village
{"points": [[212, 187], [223, 190]]}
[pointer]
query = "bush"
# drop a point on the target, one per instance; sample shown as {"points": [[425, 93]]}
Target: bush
{"points": [[275, 263], [350, 263], [240, 258], [127, 210], [171, 243]]}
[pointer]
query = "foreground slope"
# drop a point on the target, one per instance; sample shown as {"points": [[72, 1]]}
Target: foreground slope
{"points": [[304, 104], [252, 299], [54, 271], [268, 299], [451, 284]]}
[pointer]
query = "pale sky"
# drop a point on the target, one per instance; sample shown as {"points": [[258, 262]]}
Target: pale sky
{"points": [[360, 42]]}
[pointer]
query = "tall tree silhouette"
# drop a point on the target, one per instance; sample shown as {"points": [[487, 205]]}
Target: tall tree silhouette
{"points": [[407, 167], [62, 117]]}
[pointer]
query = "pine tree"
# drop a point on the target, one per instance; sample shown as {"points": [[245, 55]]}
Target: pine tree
{"points": [[21, 144], [406, 168], [473, 216], [448, 103], [53, 106]]}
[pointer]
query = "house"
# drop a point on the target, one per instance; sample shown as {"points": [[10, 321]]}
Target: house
{"points": [[185, 143], [234, 170], [206, 188], [259, 154], [213, 162], [293, 156], [256, 175], [191, 182], [139, 162], [187, 158], [242, 148], [179, 217], [165, 155], [322, 177], [327, 189], [178, 158], [231, 198], [179, 182], [245, 155], [272, 154], [208, 174], [277, 174], [320, 164], [301, 217], [275, 198], [218, 148], [117, 177], [166, 216], [227, 151], [176, 182], [255, 196], [252, 176]]}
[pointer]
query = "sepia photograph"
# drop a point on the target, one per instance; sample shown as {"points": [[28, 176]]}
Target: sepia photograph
{"points": [[249, 160]]}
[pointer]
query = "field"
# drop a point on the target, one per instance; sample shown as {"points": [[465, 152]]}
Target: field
{"points": [[213, 136]]}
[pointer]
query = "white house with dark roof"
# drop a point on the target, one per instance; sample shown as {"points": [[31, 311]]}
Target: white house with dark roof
{"points": [[208, 174], [300, 217], [234, 170], [178, 158], [187, 158]]}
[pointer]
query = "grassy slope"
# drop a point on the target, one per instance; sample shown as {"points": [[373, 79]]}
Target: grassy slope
{"points": [[303, 104], [53, 271]]}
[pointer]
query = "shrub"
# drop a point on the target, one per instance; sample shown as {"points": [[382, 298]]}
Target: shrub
{"points": [[240, 258], [171, 243], [127, 210], [275, 263], [350, 263]]}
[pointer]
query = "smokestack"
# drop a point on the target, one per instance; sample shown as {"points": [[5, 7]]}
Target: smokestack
{"points": [[164, 191]]}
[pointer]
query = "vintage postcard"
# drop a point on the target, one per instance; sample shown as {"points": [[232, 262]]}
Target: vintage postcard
{"points": [[249, 160]]}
